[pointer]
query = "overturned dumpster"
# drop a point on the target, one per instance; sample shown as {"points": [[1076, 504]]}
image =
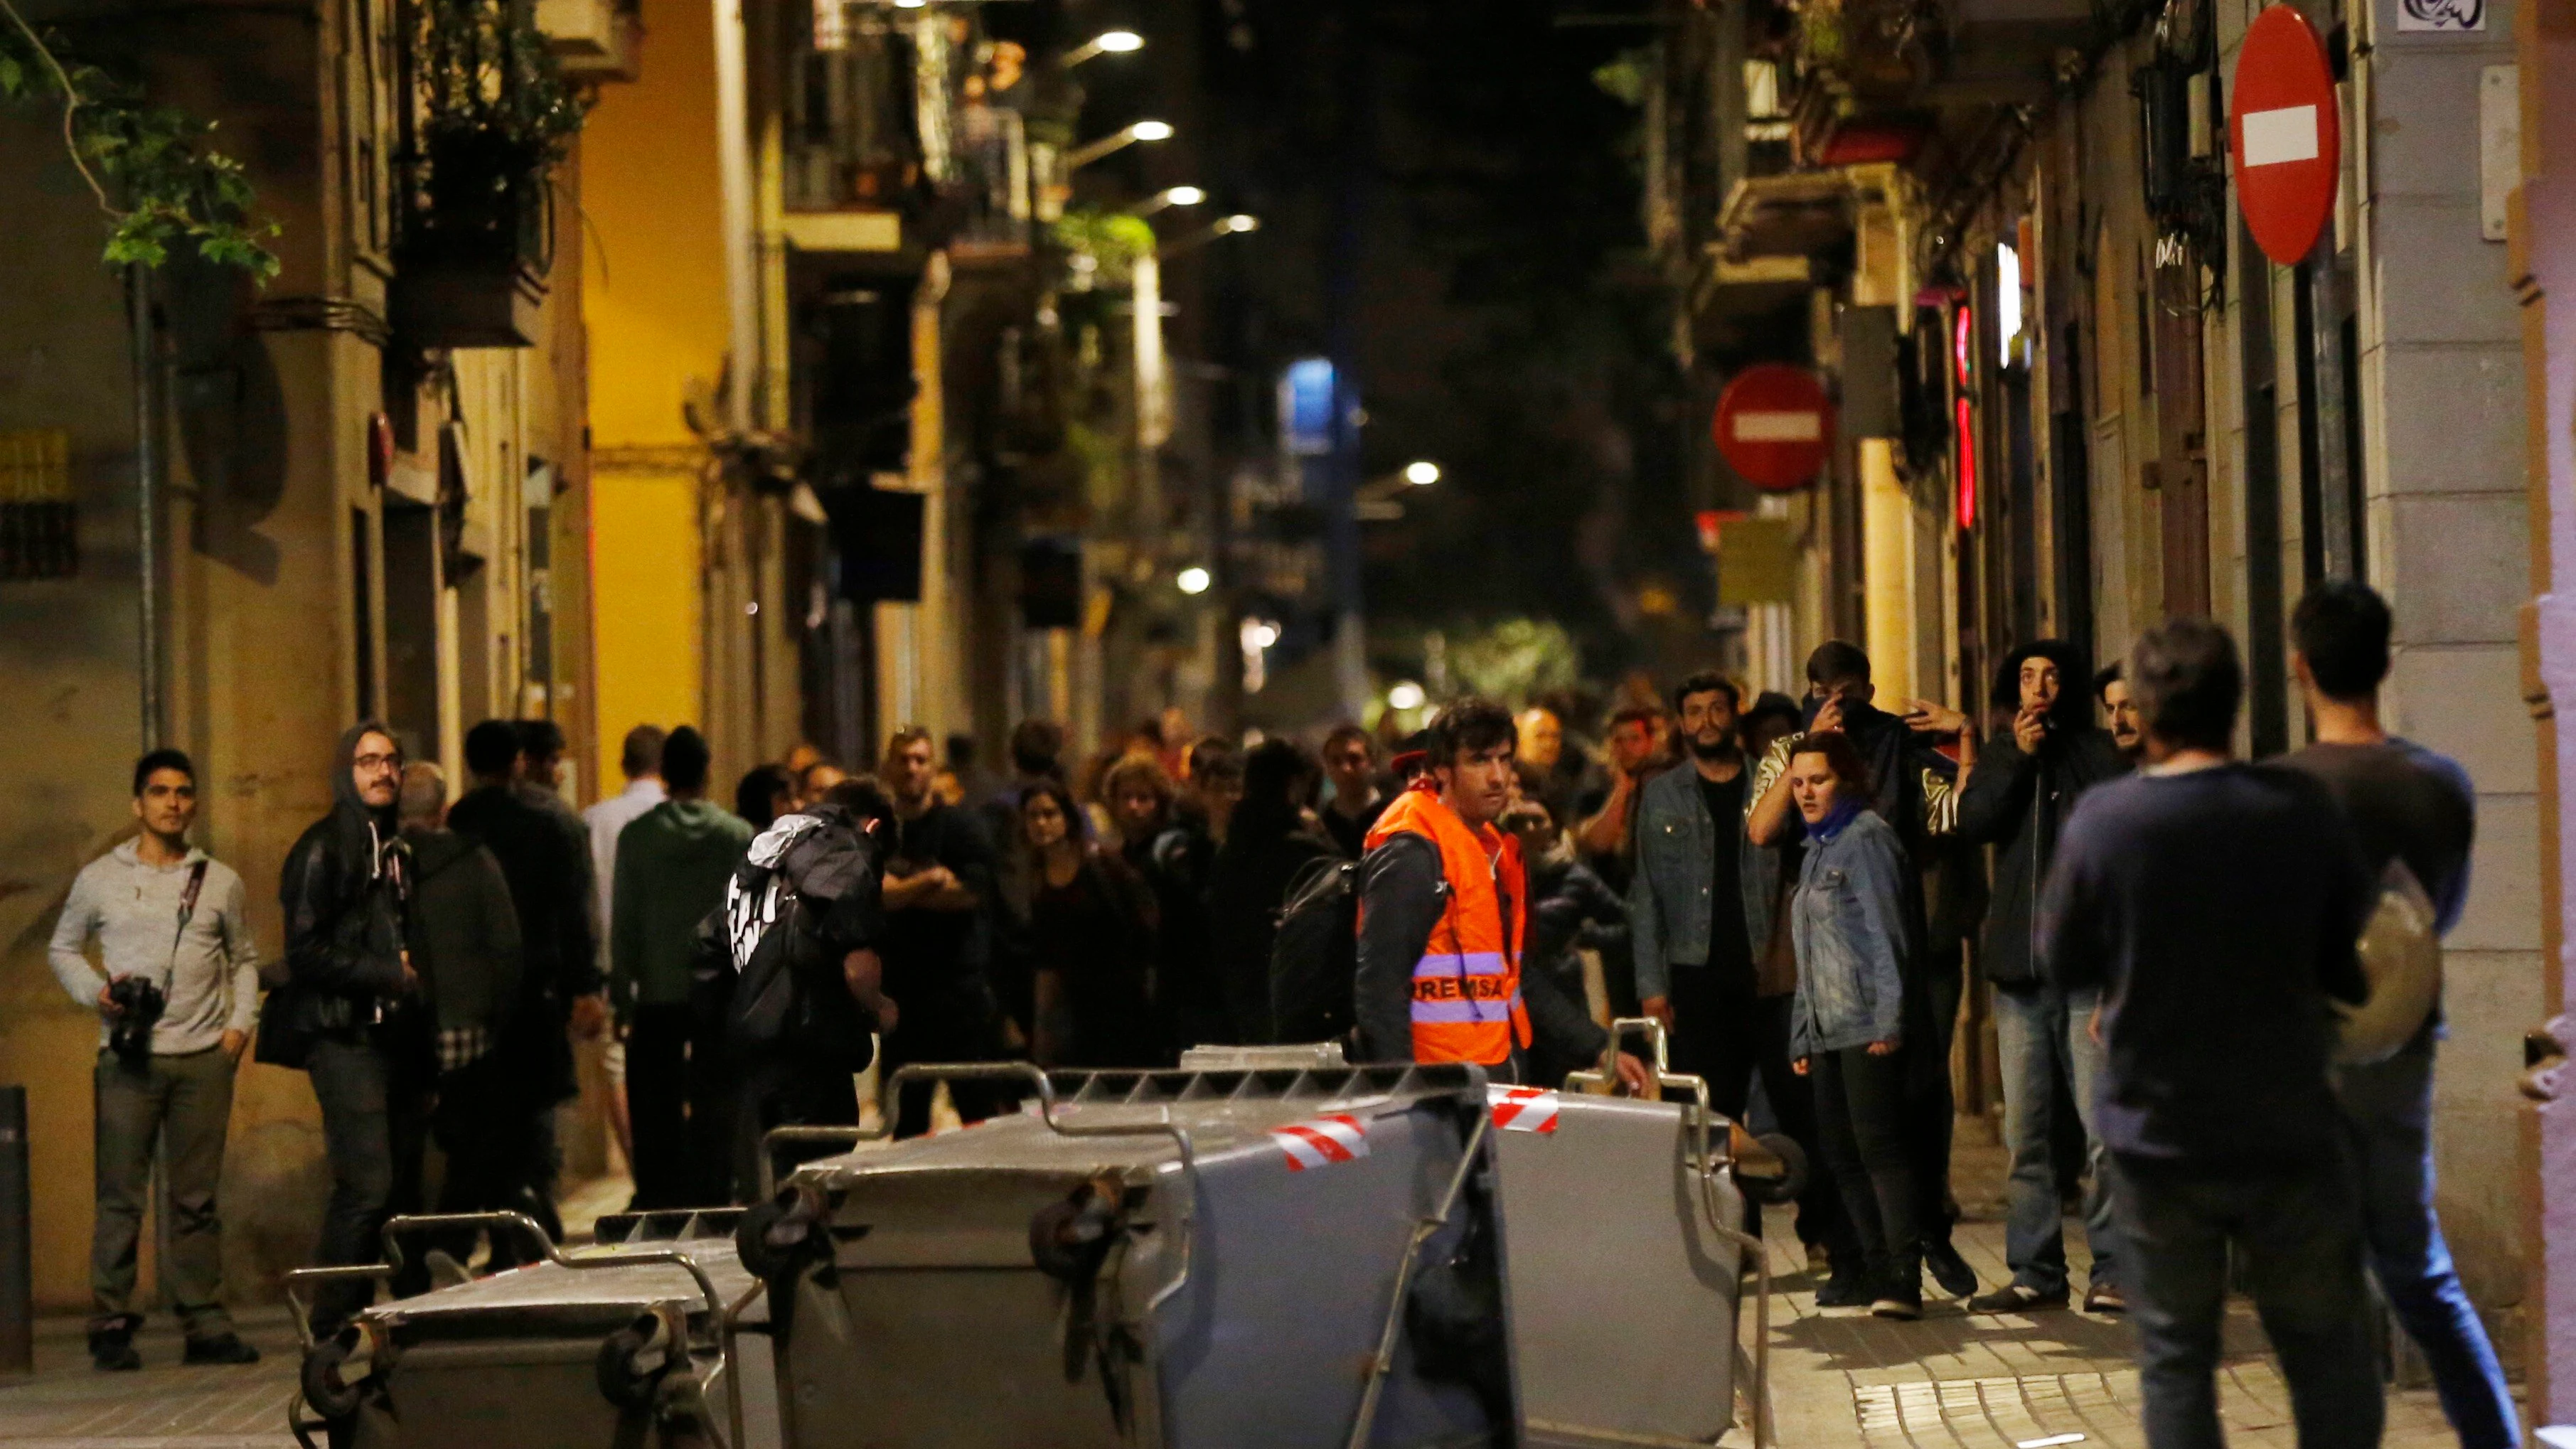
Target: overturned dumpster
{"points": [[1190, 1259], [654, 1335]]}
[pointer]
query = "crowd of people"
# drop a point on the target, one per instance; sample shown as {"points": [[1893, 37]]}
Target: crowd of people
{"points": [[1799, 891]]}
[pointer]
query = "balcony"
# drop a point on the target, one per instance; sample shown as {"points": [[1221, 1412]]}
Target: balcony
{"points": [[594, 40]]}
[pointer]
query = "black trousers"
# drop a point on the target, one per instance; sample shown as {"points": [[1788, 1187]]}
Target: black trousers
{"points": [[375, 1130], [1861, 1117], [785, 1091], [1723, 1034], [659, 1042], [1934, 1111]]}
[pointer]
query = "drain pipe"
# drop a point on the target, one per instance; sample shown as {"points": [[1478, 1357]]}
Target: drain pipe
{"points": [[147, 501]]}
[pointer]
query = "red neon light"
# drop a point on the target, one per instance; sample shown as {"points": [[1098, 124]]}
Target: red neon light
{"points": [[1962, 335], [1967, 470]]}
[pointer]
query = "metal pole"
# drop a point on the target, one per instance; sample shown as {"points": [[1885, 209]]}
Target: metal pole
{"points": [[17, 1247], [147, 502]]}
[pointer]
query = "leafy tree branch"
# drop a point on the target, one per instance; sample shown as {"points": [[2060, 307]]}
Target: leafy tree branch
{"points": [[155, 175]]}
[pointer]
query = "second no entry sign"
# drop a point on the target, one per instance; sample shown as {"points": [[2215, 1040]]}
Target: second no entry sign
{"points": [[1774, 426], [2285, 134]]}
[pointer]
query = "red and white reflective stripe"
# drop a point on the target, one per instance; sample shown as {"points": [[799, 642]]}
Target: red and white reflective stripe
{"points": [[1322, 1142], [1524, 1109]]}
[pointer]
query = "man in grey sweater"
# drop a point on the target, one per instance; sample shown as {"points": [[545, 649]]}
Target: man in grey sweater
{"points": [[168, 914]]}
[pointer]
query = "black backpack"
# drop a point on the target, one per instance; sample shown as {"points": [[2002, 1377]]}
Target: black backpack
{"points": [[769, 960], [1316, 953]]}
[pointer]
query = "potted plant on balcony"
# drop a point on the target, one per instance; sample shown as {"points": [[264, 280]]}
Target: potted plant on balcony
{"points": [[492, 116]]}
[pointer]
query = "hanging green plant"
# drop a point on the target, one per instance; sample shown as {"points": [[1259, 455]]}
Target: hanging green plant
{"points": [[496, 118], [1110, 242], [155, 175]]}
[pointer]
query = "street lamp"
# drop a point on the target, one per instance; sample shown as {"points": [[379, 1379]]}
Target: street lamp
{"points": [[1422, 473], [1194, 580], [1118, 140], [1107, 42], [1171, 197], [1222, 226], [1404, 695]]}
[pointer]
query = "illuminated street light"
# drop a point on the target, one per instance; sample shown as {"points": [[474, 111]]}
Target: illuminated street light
{"points": [[1171, 197], [1404, 695], [1422, 473], [1222, 226], [1194, 580], [1107, 42], [1118, 140]]}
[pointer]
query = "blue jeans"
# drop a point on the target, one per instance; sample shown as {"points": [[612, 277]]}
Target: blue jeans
{"points": [[2298, 1234], [2041, 1033], [2388, 1124]]}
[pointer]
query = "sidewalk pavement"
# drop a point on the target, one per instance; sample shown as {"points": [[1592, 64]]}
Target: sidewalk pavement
{"points": [[1956, 1381], [68, 1405]]}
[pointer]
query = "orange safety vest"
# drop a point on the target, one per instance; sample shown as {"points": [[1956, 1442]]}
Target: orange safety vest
{"points": [[1467, 986]]}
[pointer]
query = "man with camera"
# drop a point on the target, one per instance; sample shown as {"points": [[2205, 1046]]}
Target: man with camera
{"points": [[177, 989]]}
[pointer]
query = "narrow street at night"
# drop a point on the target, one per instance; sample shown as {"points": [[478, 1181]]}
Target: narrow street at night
{"points": [[1271, 724]]}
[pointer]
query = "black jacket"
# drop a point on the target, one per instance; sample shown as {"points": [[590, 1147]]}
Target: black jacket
{"points": [[1402, 893], [1247, 883], [344, 889], [1571, 908], [544, 850], [464, 931], [2017, 803]]}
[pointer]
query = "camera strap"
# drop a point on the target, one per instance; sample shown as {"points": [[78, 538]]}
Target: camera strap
{"points": [[187, 909]]}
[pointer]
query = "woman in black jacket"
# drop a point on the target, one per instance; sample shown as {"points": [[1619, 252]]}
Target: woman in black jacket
{"points": [[1091, 932]]}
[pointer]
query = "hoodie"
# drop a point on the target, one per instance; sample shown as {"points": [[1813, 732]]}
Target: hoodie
{"points": [[194, 944], [345, 889], [2017, 802], [672, 865]]}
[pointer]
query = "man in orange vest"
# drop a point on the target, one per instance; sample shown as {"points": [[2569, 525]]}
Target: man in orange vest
{"points": [[1444, 915]]}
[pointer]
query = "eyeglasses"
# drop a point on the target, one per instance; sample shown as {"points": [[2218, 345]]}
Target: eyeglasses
{"points": [[379, 762]]}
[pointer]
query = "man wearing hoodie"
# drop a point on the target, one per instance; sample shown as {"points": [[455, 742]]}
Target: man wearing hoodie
{"points": [[166, 913], [347, 1014], [672, 866], [464, 940], [2020, 791]]}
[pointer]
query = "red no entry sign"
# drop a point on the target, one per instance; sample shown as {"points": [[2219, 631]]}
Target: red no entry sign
{"points": [[2285, 134], [1774, 425]]}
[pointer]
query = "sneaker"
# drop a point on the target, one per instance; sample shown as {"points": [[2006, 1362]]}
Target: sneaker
{"points": [[111, 1343], [1901, 1297], [2016, 1298], [2106, 1298], [1848, 1289], [1949, 1269], [221, 1348]]}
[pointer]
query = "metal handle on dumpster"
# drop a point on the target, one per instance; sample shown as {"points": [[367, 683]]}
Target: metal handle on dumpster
{"points": [[625, 1257], [1384, 1363], [891, 1098]]}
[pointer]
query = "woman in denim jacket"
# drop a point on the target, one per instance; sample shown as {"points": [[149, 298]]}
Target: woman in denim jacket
{"points": [[1845, 1026]]}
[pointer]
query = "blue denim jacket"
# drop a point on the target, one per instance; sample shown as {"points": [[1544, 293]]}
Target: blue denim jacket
{"points": [[1668, 900], [1848, 920]]}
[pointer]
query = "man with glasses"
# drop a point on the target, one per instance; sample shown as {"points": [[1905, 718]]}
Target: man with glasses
{"points": [[348, 1013]]}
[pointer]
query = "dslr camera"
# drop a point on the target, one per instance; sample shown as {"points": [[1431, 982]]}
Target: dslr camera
{"points": [[138, 1007]]}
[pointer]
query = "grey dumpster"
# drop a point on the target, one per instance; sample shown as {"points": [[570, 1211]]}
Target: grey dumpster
{"points": [[654, 1335], [1628, 1259], [1192, 1259]]}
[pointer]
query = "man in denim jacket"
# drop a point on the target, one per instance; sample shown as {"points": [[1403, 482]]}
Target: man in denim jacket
{"points": [[1708, 964]]}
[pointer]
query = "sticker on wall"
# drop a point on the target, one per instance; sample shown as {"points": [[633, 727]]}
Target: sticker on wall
{"points": [[2421, 15]]}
